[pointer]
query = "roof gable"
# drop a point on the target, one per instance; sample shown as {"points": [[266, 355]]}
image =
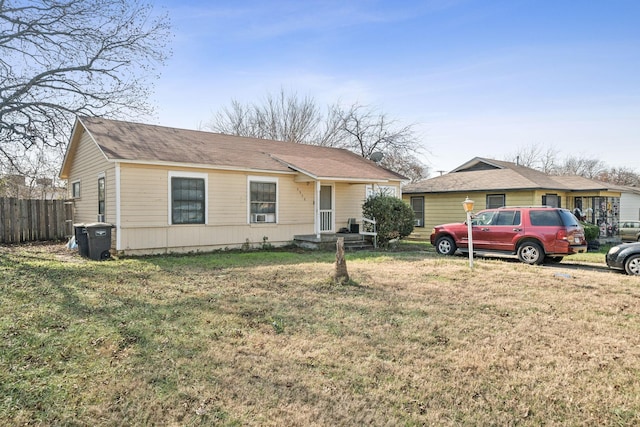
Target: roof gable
{"points": [[150, 144]]}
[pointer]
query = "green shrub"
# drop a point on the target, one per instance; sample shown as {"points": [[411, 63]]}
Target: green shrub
{"points": [[591, 231], [394, 217]]}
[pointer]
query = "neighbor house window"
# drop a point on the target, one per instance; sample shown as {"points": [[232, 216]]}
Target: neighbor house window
{"points": [[188, 198], [495, 201], [417, 204], [101, 197], [75, 189], [263, 199], [552, 200]]}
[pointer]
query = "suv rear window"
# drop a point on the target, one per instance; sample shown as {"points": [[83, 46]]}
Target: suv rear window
{"points": [[545, 218], [568, 218]]}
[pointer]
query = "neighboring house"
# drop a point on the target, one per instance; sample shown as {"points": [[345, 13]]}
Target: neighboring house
{"points": [[23, 187], [494, 183], [172, 190], [629, 203]]}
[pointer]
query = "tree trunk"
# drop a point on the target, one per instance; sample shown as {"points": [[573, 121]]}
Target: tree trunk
{"points": [[340, 275]]}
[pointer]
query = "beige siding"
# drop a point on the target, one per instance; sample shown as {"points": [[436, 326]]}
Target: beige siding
{"points": [[296, 203], [145, 212], [143, 196], [88, 163], [349, 200]]}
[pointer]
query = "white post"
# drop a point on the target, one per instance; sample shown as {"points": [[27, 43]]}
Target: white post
{"points": [[470, 237], [317, 210], [468, 208]]}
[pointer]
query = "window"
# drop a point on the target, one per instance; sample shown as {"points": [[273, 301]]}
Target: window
{"points": [[552, 200], [495, 201], [263, 197], [417, 204], [188, 199], [101, 197], [507, 218], [75, 189]]}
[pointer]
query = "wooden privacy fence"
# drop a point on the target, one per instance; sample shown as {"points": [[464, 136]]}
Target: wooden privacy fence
{"points": [[23, 220]]}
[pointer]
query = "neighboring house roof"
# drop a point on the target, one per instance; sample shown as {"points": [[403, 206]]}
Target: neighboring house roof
{"points": [[149, 144], [480, 174]]}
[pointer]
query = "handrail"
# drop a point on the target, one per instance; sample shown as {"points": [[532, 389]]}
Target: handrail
{"points": [[372, 223]]}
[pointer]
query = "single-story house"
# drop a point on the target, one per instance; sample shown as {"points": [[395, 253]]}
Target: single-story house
{"points": [[494, 183], [175, 190]]}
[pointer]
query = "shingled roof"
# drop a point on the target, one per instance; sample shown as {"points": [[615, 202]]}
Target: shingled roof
{"points": [[129, 142], [480, 174]]}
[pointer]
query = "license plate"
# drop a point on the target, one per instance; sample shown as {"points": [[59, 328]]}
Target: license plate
{"points": [[576, 239]]}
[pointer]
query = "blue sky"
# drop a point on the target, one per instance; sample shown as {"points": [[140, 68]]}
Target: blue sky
{"points": [[477, 78]]}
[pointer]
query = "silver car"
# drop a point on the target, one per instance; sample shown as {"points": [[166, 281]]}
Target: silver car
{"points": [[629, 231]]}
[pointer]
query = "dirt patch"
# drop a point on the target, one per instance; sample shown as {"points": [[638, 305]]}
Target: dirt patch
{"points": [[58, 250]]}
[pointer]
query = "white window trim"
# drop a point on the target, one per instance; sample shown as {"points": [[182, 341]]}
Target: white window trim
{"points": [[180, 174], [377, 189], [269, 179]]}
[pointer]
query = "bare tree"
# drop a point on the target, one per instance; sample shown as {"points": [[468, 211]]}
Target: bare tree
{"points": [[61, 58], [366, 131], [282, 118], [620, 176], [588, 168], [546, 160], [405, 164], [536, 157], [361, 129]]}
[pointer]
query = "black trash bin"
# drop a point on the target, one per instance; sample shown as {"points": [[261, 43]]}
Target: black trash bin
{"points": [[81, 239], [99, 238]]}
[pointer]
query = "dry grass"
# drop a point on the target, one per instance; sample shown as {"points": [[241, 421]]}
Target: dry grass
{"points": [[267, 339]]}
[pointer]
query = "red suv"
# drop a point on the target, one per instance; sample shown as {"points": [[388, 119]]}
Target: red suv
{"points": [[535, 234]]}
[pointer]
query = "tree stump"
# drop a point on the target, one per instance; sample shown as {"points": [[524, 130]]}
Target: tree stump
{"points": [[340, 274]]}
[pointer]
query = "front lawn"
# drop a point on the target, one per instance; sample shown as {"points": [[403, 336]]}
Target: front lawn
{"points": [[265, 338]]}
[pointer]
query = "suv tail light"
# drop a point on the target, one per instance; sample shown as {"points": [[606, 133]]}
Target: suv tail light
{"points": [[561, 235]]}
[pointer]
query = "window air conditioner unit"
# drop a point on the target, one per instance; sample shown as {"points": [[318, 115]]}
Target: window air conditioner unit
{"points": [[260, 218]]}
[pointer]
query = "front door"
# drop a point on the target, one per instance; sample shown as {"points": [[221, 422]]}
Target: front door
{"points": [[326, 208]]}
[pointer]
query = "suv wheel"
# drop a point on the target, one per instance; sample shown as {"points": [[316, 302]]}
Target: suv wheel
{"points": [[632, 265], [531, 253], [445, 245]]}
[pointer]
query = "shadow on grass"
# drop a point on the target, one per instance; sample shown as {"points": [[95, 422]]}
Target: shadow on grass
{"points": [[104, 318], [283, 256]]}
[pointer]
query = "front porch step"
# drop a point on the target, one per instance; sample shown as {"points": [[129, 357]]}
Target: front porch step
{"points": [[362, 245]]}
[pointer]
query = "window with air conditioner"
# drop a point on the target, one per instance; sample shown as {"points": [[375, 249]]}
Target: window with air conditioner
{"points": [[417, 204], [263, 196]]}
